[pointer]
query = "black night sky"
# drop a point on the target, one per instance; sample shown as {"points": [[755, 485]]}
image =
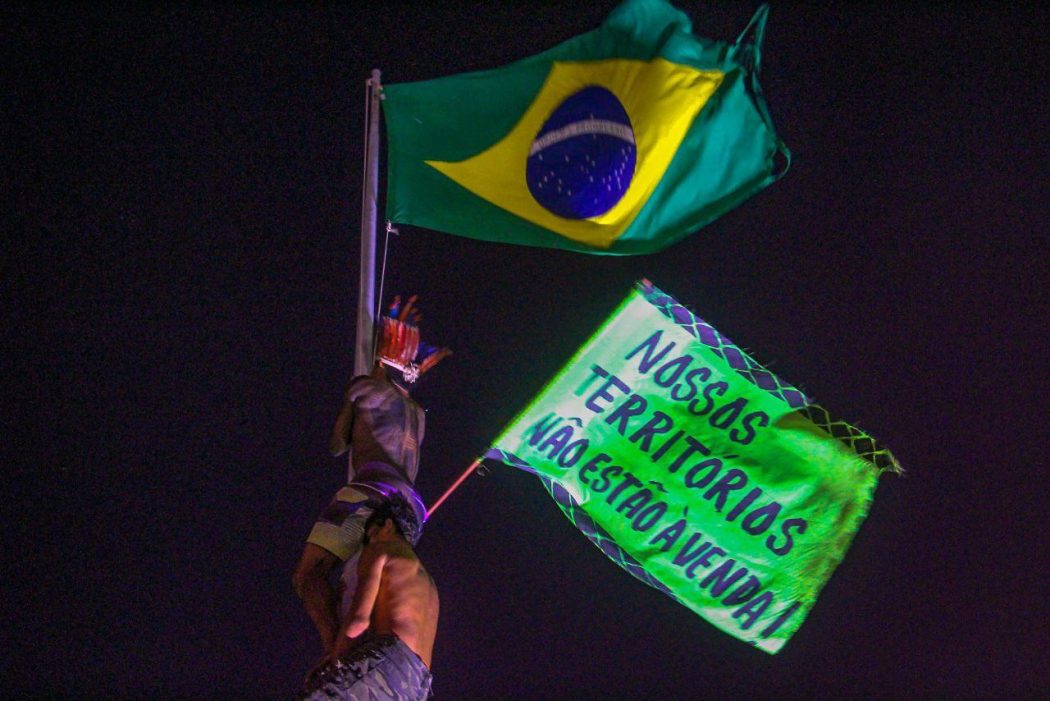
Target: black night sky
{"points": [[181, 192]]}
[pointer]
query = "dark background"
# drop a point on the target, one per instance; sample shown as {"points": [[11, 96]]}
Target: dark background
{"points": [[181, 189]]}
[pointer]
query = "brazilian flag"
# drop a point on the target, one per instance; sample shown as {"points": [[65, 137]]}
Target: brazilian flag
{"points": [[620, 141]]}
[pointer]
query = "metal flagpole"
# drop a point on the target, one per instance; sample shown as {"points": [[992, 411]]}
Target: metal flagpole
{"points": [[363, 345], [369, 205]]}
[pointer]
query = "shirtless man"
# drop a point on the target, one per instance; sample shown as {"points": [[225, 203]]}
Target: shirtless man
{"points": [[382, 427], [385, 646]]}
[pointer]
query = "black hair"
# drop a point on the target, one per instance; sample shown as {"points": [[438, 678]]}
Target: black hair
{"points": [[408, 517], [378, 517], [386, 512]]}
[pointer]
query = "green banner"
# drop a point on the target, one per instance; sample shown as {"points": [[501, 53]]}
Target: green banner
{"points": [[697, 470]]}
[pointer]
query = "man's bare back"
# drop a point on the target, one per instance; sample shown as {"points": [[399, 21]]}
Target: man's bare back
{"points": [[395, 595], [385, 644]]}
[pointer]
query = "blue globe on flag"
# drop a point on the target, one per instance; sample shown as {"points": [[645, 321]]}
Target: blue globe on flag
{"points": [[582, 160]]}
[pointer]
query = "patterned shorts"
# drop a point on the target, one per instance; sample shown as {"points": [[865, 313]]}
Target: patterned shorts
{"points": [[341, 526], [381, 669]]}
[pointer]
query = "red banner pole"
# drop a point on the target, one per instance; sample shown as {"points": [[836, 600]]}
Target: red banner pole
{"points": [[466, 473]]}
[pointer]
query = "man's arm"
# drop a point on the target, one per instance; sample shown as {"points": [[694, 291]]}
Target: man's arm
{"points": [[342, 432], [369, 576], [320, 599]]}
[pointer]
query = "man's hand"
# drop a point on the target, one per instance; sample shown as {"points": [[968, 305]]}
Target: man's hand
{"points": [[343, 644]]}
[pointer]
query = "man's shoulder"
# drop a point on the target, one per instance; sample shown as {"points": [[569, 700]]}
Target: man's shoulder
{"points": [[360, 381], [372, 383], [365, 385], [395, 550]]}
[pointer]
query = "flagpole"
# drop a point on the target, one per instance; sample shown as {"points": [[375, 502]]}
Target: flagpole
{"points": [[369, 203]]}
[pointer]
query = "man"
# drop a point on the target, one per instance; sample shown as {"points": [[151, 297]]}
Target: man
{"points": [[382, 427], [385, 646]]}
